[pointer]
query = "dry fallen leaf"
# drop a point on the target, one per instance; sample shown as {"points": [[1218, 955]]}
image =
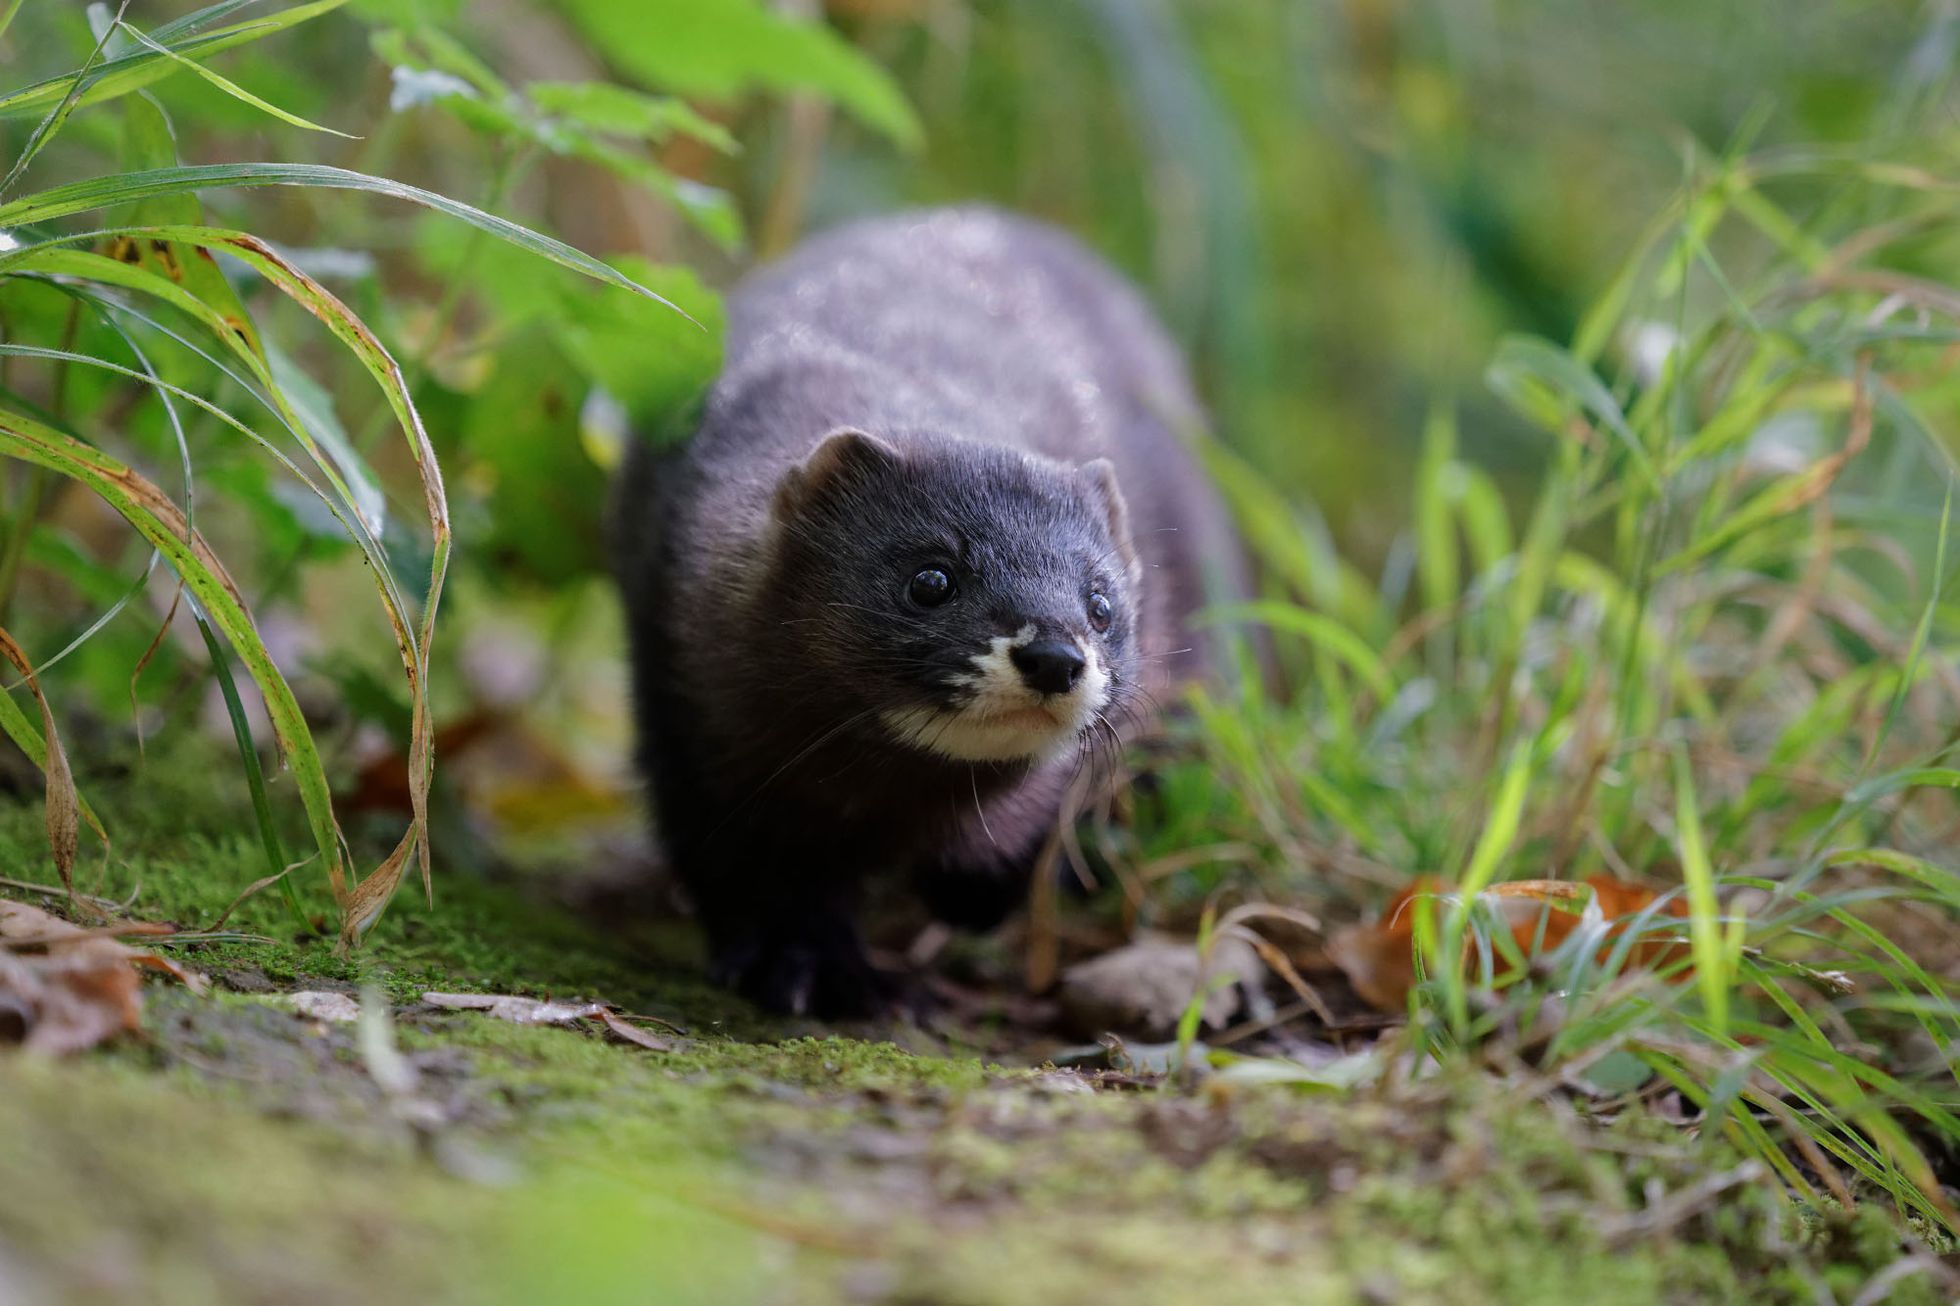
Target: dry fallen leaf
{"points": [[1142, 988], [1379, 959], [535, 1011], [630, 1033], [333, 1008], [64, 988]]}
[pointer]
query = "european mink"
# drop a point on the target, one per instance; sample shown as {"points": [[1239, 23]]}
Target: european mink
{"points": [[935, 533]]}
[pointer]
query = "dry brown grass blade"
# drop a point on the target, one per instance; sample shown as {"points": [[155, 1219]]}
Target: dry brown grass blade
{"points": [[143, 663], [258, 885], [64, 803], [1043, 955], [1280, 965], [363, 904], [617, 1026]]}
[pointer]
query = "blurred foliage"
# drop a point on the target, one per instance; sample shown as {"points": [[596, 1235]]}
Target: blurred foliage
{"points": [[1341, 207]]}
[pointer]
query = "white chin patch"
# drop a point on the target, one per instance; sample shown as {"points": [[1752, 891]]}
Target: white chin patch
{"points": [[1003, 720]]}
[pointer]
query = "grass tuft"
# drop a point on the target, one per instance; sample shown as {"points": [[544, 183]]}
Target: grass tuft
{"points": [[1712, 655]]}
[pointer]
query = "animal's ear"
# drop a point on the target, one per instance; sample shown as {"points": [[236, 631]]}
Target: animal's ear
{"points": [[1099, 476], [841, 459]]}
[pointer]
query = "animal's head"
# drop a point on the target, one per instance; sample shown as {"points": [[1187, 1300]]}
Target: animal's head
{"points": [[980, 603]]}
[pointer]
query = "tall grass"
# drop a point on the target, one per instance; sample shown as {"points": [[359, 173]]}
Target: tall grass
{"points": [[149, 273], [1714, 654]]}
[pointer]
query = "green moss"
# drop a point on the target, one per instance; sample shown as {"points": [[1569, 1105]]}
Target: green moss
{"points": [[120, 1185], [183, 854], [242, 1153]]}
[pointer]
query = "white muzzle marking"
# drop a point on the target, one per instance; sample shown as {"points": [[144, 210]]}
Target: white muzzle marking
{"points": [[1002, 720]]}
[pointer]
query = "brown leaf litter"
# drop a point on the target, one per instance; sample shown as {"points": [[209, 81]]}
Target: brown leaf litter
{"points": [[535, 1011], [64, 988]]}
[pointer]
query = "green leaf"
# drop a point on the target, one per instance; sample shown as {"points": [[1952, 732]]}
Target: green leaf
{"points": [[448, 77], [638, 353], [149, 142], [711, 211], [232, 88], [620, 111], [132, 72], [431, 47], [723, 48]]}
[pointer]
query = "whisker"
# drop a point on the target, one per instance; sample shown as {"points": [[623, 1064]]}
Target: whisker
{"points": [[973, 775]]}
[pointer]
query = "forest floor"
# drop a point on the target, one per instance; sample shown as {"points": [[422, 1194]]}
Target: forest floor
{"points": [[241, 1150]]}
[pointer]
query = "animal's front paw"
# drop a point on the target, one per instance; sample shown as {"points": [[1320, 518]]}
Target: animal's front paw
{"points": [[826, 976]]}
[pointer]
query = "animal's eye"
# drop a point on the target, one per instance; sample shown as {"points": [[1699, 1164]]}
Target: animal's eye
{"points": [[930, 588], [1099, 612]]}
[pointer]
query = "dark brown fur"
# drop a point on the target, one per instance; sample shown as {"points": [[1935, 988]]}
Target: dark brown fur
{"points": [[989, 362]]}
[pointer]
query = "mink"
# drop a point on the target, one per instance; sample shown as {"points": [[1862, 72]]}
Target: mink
{"points": [[934, 546]]}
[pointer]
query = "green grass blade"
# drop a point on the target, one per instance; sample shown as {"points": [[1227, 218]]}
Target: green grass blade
{"points": [[1543, 382], [248, 757], [93, 84], [371, 894], [1436, 551], [1705, 931], [1920, 632], [100, 192], [161, 522], [232, 88], [64, 104], [1322, 632], [1500, 824]]}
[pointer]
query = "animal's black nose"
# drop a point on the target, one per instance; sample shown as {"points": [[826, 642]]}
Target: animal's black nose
{"points": [[1050, 666]]}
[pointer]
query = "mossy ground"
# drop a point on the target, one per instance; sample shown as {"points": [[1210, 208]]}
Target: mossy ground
{"points": [[239, 1152]]}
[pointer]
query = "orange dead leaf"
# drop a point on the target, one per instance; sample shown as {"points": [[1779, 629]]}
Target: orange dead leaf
{"points": [[64, 988], [1379, 959]]}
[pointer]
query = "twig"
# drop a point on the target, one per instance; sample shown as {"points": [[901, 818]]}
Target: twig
{"points": [[28, 886], [1680, 1206]]}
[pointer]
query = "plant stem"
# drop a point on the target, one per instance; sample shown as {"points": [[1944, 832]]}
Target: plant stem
{"points": [[248, 754]]}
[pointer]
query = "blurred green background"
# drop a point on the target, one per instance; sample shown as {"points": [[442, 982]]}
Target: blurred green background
{"points": [[1339, 207]]}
